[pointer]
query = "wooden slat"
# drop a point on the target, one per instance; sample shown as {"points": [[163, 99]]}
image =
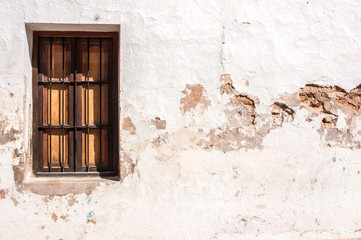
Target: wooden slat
{"points": [[94, 148], [94, 104], [104, 102], [83, 102], [78, 121], [45, 105], [56, 105], [94, 114], [44, 60], [105, 59], [94, 60], [57, 61], [56, 148]]}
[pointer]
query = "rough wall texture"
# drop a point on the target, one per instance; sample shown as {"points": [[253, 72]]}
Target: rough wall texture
{"points": [[239, 120]]}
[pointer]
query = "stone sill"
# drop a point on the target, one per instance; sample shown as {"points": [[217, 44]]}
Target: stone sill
{"points": [[64, 185]]}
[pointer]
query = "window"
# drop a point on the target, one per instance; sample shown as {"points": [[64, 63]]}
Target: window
{"points": [[75, 102]]}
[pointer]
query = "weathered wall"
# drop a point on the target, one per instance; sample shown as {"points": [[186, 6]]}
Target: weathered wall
{"points": [[239, 120]]}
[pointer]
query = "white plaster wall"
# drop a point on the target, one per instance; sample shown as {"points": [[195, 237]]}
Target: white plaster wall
{"points": [[295, 185]]}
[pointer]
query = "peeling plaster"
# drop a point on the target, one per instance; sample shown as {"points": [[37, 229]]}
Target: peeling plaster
{"points": [[128, 125], [194, 95]]}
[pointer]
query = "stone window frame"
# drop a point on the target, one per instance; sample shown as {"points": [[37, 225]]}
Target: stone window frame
{"points": [[24, 176]]}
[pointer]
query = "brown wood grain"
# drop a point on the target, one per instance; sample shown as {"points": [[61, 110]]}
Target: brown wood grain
{"points": [[94, 148]]}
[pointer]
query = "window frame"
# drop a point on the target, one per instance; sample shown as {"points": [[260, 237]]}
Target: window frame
{"points": [[113, 90]]}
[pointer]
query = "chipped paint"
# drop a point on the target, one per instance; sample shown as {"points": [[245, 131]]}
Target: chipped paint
{"points": [[160, 124], [54, 217], [194, 95], [2, 194], [128, 125], [72, 200]]}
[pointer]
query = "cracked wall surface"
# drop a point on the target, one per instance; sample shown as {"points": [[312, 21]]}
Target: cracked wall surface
{"points": [[238, 120]]}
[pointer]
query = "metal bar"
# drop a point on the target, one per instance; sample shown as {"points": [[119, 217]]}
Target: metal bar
{"points": [[94, 174], [100, 106], [87, 112], [98, 82], [74, 111], [62, 114], [50, 73], [72, 83], [95, 126]]}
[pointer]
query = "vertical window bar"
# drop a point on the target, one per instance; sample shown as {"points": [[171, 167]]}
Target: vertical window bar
{"points": [[74, 111], [62, 114], [87, 117], [100, 105], [50, 73]]}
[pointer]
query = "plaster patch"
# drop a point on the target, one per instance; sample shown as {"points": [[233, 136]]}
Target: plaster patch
{"points": [[128, 125], [2, 194], [7, 132], [346, 138], [127, 165], [291, 100], [160, 124], [19, 172], [194, 95], [229, 139], [72, 201], [54, 217]]}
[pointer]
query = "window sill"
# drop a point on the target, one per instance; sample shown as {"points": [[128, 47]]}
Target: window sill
{"points": [[64, 185]]}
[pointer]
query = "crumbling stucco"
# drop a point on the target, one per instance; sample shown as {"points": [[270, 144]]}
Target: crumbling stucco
{"points": [[241, 106], [328, 101], [339, 111], [281, 113]]}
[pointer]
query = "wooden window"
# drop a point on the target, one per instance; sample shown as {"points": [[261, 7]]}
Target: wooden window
{"points": [[75, 102]]}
